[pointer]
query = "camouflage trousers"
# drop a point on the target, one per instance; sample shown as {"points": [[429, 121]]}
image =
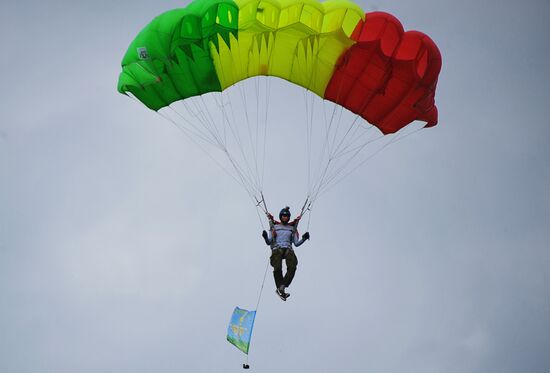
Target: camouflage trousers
{"points": [[276, 260]]}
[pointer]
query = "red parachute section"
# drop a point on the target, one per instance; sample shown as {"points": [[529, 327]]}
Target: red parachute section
{"points": [[389, 76]]}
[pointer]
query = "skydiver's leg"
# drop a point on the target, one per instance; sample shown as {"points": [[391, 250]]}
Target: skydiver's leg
{"points": [[276, 261], [291, 264]]}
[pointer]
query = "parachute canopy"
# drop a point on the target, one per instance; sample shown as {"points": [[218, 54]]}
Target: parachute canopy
{"points": [[363, 62]]}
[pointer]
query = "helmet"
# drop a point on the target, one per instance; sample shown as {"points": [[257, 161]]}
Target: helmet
{"points": [[285, 212]]}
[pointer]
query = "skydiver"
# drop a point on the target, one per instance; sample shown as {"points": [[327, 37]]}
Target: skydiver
{"points": [[281, 237]]}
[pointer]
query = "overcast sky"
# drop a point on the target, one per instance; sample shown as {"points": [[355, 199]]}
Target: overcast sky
{"points": [[123, 248]]}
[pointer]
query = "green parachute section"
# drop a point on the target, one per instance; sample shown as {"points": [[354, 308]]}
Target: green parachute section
{"points": [[170, 59]]}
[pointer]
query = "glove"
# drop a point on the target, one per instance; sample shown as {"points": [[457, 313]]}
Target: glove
{"points": [[305, 236], [264, 235], [269, 216]]}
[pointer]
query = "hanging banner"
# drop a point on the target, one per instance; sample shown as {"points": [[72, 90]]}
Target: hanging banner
{"points": [[240, 327]]}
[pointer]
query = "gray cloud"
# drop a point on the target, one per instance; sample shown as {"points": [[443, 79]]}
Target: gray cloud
{"points": [[123, 248]]}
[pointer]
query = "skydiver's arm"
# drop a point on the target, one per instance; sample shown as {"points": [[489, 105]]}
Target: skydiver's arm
{"points": [[267, 237], [295, 237], [296, 221], [304, 238]]}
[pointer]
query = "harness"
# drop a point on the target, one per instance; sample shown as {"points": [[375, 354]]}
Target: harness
{"points": [[294, 231]]}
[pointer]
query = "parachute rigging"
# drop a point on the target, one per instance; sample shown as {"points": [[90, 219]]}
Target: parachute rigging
{"points": [[198, 67]]}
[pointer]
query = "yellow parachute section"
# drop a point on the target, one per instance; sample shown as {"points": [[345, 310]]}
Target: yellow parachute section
{"points": [[299, 41]]}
